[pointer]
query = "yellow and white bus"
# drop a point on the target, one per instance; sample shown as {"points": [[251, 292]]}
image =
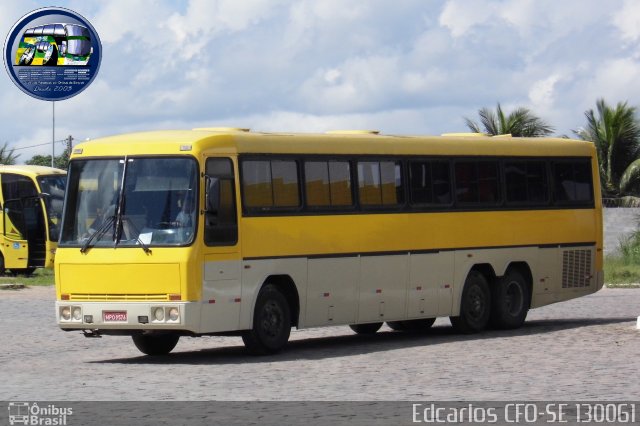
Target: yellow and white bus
{"points": [[227, 231], [31, 199]]}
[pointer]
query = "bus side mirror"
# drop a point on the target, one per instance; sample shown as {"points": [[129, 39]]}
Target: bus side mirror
{"points": [[212, 195]]}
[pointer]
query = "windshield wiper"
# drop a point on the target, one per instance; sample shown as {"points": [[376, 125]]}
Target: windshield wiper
{"points": [[99, 233], [143, 245]]}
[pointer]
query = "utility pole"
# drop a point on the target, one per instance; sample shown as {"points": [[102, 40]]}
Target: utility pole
{"points": [[67, 151]]}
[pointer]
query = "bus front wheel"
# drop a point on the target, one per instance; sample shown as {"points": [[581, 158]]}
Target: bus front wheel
{"points": [[475, 306], [271, 323], [155, 344]]}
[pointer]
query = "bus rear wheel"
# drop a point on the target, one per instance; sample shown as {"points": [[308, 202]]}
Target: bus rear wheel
{"points": [[370, 328], [510, 301], [155, 344], [475, 306], [271, 323], [411, 325]]}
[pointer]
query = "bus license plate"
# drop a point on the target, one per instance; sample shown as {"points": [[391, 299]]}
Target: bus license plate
{"points": [[114, 316]]}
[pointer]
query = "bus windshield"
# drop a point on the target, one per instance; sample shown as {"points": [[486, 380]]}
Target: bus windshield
{"points": [[157, 207], [52, 187]]}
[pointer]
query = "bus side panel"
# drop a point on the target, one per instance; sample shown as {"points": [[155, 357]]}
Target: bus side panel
{"points": [[431, 285], [383, 288], [568, 272], [549, 274], [332, 294], [221, 294]]}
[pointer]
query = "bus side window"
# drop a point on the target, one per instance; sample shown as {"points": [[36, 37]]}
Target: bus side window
{"points": [[221, 226]]}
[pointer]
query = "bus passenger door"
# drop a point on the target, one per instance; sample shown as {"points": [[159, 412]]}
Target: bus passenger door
{"points": [[15, 248], [221, 284], [24, 226]]}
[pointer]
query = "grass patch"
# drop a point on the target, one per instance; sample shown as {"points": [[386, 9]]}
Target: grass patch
{"points": [[618, 273], [623, 268], [41, 277]]}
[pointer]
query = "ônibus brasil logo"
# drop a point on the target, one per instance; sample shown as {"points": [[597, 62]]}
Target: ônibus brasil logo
{"points": [[25, 413], [52, 53]]}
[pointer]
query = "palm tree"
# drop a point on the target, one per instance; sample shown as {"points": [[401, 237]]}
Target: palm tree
{"points": [[616, 135], [520, 123], [7, 156]]}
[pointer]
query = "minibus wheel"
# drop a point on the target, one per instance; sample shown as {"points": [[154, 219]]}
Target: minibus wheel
{"points": [[271, 323], [475, 305], [155, 344], [370, 328]]}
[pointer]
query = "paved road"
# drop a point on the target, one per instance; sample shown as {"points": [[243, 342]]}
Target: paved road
{"points": [[584, 349]]}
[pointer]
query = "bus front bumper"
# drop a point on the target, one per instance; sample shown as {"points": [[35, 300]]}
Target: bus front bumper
{"points": [[161, 315]]}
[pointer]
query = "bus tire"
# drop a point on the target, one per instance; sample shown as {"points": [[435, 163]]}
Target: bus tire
{"points": [[2, 269], [510, 301], [475, 305], [411, 325], [27, 272], [396, 325], [155, 344], [271, 323], [370, 328]]}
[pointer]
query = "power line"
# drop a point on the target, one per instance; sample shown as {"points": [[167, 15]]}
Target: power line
{"points": [[40, 144]]}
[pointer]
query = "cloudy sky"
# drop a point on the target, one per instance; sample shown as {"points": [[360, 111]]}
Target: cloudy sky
{"points": [[400, 66]]}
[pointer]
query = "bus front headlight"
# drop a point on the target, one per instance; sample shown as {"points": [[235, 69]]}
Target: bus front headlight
{"points": [[77, 313], [65, 313], [174, 314], [158, 314]]}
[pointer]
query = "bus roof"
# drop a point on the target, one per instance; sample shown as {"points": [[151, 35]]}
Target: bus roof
{"points": [[237, 141], [31, 171]]}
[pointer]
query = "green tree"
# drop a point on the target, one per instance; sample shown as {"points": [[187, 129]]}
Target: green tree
{"points": [[7, 156], [519, 123], [61, 161], [615, 131]]}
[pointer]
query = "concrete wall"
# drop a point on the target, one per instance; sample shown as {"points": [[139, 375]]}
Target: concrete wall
{"points": [[618, 222]]}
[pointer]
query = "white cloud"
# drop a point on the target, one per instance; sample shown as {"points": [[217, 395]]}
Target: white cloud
{"points": [[462, 15], [542, 93], [206, 17], [362, 83], [616, 80], [627, 20]]}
